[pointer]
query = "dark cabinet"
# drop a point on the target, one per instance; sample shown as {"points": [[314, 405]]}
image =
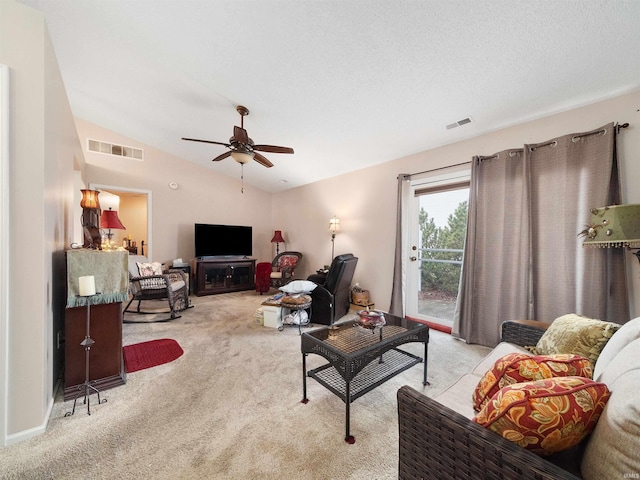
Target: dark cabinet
{"points": [[224, 275], [106, 365]]}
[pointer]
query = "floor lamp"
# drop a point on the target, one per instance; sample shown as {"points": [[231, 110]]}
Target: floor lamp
{"points": [[277, 239], [334, 226]]}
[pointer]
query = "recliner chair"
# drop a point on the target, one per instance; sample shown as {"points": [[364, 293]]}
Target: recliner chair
{"points": [[330, 299]]}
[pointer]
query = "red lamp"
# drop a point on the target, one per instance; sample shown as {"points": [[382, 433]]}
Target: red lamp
{"points": [[110, 220], [277, 239]]}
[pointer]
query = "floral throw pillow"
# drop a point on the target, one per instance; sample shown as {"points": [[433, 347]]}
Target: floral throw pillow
{"points": [[521, 367], [576, 334], [545, 416], [288, 261], [148, 269]]}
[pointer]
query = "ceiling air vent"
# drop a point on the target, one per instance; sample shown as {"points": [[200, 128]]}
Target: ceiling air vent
{"points": [[459, 123], [117, 150]]}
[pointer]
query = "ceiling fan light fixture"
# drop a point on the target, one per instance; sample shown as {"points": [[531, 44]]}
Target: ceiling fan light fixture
{"points": [[242, 157]]}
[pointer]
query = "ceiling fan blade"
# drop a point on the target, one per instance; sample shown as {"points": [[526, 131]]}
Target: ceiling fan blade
{"points": [[206, 141], [262, 160], [221, 157], [273, 149], [240, 134]]}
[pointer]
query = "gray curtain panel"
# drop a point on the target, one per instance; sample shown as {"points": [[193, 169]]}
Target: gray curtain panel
{"points": [[523, 258], [397, 306]]}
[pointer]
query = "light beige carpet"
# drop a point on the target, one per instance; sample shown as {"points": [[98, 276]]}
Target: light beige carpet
{"points": [[229, 408]]}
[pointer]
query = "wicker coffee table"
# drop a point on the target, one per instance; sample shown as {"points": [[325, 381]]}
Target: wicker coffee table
{"points": [[361, 359]]}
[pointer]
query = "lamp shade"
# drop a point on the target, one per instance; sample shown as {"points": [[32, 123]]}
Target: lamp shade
{"points": [[90, 199], [110, 220], [334, 225], [613, 226], [277, 237], [242, 157]]}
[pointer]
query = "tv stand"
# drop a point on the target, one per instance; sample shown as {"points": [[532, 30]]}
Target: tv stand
{"points": [[223, 275]]}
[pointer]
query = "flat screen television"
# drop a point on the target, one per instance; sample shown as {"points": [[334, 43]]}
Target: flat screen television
{"points": [[223, 240]]}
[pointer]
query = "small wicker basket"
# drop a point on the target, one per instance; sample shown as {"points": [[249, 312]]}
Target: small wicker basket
{"points": [[360, 298]]}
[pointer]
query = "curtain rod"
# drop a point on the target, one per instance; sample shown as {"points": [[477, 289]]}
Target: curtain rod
{"points": [[617, 127], [436, 169]]}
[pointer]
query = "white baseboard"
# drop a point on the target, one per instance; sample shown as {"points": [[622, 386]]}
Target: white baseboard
{"points": [[35, 431]]}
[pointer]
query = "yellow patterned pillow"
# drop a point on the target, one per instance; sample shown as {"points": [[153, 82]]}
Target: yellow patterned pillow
{"points": [[545, 416], [577, 335]]}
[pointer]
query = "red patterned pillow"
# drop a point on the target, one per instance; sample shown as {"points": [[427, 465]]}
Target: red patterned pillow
{"points": [[288, 261], [521, 367], [545, 416]]}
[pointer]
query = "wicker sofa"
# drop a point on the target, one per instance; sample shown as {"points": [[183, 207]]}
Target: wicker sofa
{"points": [[437, 438]]}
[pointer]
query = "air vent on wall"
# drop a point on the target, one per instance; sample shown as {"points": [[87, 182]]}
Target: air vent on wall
{"points": [[459, 123], [118, 150]]}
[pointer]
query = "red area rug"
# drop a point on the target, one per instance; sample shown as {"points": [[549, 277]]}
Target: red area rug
{"points": [[149, 354], [435, 326]]}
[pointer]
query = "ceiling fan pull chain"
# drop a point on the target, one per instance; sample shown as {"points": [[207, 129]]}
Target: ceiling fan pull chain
{"points": [[242, 177]]}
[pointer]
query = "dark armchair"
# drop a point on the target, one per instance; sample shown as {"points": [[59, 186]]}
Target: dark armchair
{"points": [[330, 299]]}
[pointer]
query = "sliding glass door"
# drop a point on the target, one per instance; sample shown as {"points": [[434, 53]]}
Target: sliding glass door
{"points": [[438, 220]]}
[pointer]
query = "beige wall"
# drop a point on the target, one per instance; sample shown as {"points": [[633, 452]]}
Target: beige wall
{"points": [[202, 196], [365, 201], [43, 148], [133, 215]]}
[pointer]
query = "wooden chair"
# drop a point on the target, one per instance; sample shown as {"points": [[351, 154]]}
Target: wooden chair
{"points": [[170, 285], [283, 268]]}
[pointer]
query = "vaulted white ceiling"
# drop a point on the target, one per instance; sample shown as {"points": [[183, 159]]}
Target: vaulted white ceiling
{"points": [[347, 84]]}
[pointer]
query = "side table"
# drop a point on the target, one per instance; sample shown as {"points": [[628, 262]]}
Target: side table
{"points": [[294, 307]]}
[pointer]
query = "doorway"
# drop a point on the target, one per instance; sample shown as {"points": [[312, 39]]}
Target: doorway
{"points": [[135, 212]]}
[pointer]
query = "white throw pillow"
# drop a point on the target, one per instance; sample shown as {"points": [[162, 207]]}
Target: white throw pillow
{"points": [[148, 269], [626, 334], [298, 286]]}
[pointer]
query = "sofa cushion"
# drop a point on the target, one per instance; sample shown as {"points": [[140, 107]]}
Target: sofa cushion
{"points": [[577, 335], [521, 367], [612, 449], [545, 416], [498, 352], [627, 333], [456, 397]]}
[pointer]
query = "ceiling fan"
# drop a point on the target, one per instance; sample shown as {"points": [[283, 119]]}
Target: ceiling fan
{"points": [[241, 147]]}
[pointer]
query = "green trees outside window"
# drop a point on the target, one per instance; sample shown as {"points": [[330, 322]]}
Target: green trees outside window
{"points": [[441, 254]]}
